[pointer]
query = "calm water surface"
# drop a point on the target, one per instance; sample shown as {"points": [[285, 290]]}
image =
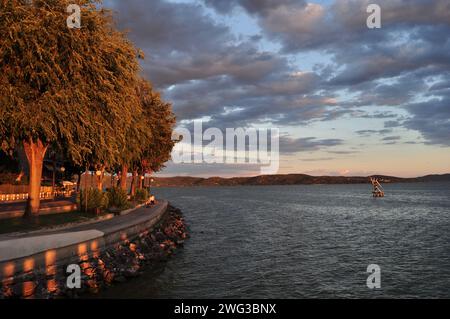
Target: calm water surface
{"points": [[305, 242]]}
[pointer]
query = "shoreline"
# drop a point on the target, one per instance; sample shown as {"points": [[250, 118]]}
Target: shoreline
{"points": [[305, 184], [131, 258], [100, 268]]}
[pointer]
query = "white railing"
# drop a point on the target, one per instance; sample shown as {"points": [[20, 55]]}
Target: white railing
{"points": [[42, 195]]}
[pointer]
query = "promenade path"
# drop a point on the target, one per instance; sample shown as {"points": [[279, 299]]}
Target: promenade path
{"points": [[16, 209]]}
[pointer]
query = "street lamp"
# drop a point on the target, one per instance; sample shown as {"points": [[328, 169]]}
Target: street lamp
{"points": [[150, 186]]}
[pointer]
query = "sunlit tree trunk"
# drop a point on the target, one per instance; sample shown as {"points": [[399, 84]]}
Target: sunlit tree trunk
{"points": [[79, 181], [54, 176], [100, 179], [133, 183], [141, 181], [86, 176], [123, 177], [35, 153]]}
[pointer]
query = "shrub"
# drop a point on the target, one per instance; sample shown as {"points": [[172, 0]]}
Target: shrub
{"points": [[117, 198], [141, 195], [96, 200]]}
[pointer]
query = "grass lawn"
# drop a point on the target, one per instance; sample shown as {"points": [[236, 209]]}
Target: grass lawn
{"points": [[21, 224]]}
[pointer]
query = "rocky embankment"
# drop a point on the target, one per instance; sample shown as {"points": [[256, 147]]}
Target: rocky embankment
{"points": [[125, 260]]}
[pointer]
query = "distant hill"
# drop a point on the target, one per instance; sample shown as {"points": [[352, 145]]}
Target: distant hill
{"points": [[288, 179]]}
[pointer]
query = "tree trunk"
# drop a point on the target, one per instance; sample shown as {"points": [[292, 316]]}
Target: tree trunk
{"points": [[79, 181], [141, 181], [123, 177], [86, 174], [35, 153], [54, 176], [100, 180], [133, 183]]}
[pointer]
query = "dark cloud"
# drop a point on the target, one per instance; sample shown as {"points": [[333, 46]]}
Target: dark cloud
{"points": [[412, 46], [210, 170], [392, 124], [371, 132], [300, 25], [203, 69], [432, 119], [318, 159], [262, 7], [208, 71], [343, 152], [290, 145], [392, 138]]}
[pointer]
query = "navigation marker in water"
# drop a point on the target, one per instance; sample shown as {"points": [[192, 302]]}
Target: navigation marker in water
{"points": [[377, 188]]}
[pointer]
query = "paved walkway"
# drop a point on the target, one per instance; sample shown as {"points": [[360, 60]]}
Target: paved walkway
{"points": [[49, 206], [13, 246]]}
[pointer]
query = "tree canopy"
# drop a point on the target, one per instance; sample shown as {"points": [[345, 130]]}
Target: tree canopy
{"points": [[161, 120], [71, 87], [75, 90]]}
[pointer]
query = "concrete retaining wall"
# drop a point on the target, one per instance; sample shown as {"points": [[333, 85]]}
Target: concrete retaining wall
{"points": [[44, 253]]}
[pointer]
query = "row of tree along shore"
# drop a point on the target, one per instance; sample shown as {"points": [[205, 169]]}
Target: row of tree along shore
{"points": [[76, 96]]}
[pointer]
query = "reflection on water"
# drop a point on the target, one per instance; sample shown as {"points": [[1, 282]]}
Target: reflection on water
{"points": [[305, 242], [28, 265], [25, 275], [7, 281]]}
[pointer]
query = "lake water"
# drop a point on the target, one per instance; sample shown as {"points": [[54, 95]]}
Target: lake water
{"points": [[305, 242]]}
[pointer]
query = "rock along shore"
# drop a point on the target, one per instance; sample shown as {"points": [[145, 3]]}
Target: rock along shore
{"points": [[115, 264]]}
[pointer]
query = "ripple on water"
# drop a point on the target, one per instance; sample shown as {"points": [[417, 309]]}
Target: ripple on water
{"points": [[305, 242]]}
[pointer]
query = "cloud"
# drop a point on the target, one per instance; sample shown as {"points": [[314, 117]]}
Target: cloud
{"points": [[432, 119], [300, 25], [318, 159], [290, 145], [209, 170], [252, 6], [208, 71], [391, 140], [371, 132], [203, 68]]}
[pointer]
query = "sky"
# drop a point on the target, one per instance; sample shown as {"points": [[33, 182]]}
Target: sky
{"points": [[348, 100]]}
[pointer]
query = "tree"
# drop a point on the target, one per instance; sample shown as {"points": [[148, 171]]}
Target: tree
{"points": [[73, 89], [138, 135], [149, 141], [161, 120]]}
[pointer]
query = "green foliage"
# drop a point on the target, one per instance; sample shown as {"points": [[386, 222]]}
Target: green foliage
{"points": [[77, 92], [160, 120], [141, 195], [96, 199], [117, 198], [72, 88]]}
